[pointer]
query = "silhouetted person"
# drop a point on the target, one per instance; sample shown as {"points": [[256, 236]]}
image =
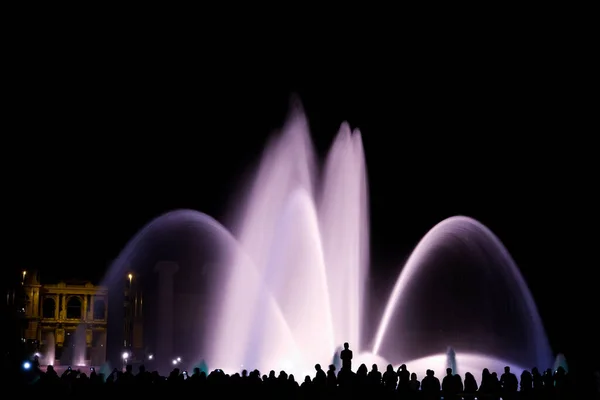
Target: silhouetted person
{"points": [[390, 378], [320, 376], [374, 376], [449, 385], [509, 384], [430, 386], [548, 379], [403, 379], [470, 386], [331, 377], [526, 383], [346, 356], [362, 378], [306, 388], [414, 385]]}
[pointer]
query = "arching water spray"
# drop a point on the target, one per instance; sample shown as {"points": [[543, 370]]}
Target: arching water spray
{"points": [[289, 284]]}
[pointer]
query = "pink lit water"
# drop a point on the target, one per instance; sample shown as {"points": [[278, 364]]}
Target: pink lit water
{"points": [[294, 269]]}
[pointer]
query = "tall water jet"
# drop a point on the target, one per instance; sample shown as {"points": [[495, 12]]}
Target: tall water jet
{"points": [[287, 164], [49, 348], [460, 286], [451, 360], [296, 263], [561, 361], [343, 218], [79, 346]]}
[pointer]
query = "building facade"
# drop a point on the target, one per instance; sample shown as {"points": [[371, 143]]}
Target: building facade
{"points": [[65, 323]]}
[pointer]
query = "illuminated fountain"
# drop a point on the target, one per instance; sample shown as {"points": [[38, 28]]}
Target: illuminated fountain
{"points": [[49, 355], [287, 286], [79, 347]]}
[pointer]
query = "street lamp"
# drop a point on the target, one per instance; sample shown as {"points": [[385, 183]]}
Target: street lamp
{"points": [[150, 356], [130, 277], [24, 273]]}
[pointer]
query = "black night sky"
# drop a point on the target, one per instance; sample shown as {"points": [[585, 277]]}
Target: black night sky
{"points": [[101, 138]]}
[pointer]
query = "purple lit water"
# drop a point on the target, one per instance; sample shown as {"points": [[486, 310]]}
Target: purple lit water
{"points": [[286, 287]]}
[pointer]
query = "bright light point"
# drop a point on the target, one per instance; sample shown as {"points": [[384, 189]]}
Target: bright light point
{"points": [[178, 359], [37, 355], [150, 357], [130, 276], [125, 356], [26, 365], [174, 362]]}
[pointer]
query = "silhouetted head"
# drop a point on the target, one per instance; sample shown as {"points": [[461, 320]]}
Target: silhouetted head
{"points": [[142, 369], [430, 372], [346, 345], [307, 379], [196, 371], [507, 369], [390, 368], [374, 367], [318, 367], [403, 367], [448, 371], [535, 371], [332, 368], [413, 377]]}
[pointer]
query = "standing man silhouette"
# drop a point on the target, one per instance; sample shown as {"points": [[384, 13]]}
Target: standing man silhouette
{"points": [[346, 356]]}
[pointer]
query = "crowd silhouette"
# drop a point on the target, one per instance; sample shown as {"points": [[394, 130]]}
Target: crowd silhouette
{"points": [[330, 384]]}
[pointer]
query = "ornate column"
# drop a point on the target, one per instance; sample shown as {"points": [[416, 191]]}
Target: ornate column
{"points": [[84, 313], [164, 350], [63, 306], [92, 307], [56, 299]]}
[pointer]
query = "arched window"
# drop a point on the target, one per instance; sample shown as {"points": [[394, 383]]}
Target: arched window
{"points": [[74, 308], [49, 308], [99, 309]]}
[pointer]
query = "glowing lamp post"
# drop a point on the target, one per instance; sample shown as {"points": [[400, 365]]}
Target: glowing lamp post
{"points": [[24, 274], [125, 357], [130, 277]]}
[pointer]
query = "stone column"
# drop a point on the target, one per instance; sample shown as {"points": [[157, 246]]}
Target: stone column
{"points": [[63, 306], [57, 306], [164, 350], [92, 307], [84, 314]]}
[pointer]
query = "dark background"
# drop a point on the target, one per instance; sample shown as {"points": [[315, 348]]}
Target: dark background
{"points": [[103, 132]]}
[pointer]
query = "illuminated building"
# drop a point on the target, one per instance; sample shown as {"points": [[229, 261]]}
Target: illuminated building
{"points": [[66, 323]]}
